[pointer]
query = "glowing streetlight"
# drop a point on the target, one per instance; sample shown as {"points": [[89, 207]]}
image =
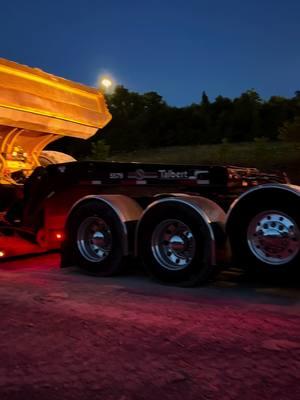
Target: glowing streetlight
{"points": [[107, 83]]}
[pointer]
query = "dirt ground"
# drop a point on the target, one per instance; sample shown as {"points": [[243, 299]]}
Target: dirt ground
{"points": [[64, 335]]}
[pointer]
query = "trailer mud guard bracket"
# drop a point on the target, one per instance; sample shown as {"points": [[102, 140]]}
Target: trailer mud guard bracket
{"points": [[257, 194], [210, 213], [127, 211]]}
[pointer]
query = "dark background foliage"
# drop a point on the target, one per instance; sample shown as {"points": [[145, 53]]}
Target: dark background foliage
{"points": [[143, 121]]}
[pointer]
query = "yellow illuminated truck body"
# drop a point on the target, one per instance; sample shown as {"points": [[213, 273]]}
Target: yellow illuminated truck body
{"points": [[37, 108]]}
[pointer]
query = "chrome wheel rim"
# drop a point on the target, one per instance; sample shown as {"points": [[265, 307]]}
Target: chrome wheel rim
{"points": [[173, 245], [273, 237], [94, 239]]}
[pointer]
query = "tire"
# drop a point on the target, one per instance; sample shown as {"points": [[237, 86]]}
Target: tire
{"points": [[48, 157], [95, 239], [188, 265], [266, 237]]}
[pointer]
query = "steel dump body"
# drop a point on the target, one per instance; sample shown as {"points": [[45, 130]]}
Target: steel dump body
{"points": [[37, 108]]}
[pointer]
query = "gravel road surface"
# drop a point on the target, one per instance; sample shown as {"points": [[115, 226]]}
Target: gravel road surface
{"points": [[66, 336]]}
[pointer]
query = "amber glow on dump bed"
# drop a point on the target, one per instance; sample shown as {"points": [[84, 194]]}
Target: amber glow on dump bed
{"points": [[34, 92], [89, 92], [49, 114], [37, 108]]}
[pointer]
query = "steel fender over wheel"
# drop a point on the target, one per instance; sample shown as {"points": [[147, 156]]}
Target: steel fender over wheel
{"points": [[175, 243], [95, 238], [265, 234]]}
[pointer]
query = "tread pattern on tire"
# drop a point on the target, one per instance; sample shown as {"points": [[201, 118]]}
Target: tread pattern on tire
{"points": [[48, 157]]}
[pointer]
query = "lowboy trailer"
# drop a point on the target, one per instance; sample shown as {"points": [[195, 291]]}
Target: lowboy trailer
{"points": [[180, 221]]}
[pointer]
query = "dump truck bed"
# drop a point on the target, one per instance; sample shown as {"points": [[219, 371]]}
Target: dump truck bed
{"points": [[35, 100], [37, 108]]}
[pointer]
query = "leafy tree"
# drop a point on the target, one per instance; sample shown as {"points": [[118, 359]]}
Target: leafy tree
{"points": [[99, 150], [204, 100], [246, 121], [290, 131], [146, 121]]}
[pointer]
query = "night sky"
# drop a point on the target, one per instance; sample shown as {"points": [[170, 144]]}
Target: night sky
{"points": [[177, 48]]}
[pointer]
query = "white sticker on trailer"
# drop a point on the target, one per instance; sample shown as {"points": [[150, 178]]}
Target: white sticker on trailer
{"points": [[197, 173]]}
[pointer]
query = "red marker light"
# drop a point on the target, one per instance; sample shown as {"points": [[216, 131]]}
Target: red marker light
{"points": [[58, 236], [2, 254]]}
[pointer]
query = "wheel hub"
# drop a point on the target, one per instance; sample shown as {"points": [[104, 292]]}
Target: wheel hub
{"points": [[273, 237], [173, 244], [94, 239], [177, 244]]}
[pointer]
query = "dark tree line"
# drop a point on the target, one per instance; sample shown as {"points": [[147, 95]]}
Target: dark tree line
{"points": [[147, 121]]}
